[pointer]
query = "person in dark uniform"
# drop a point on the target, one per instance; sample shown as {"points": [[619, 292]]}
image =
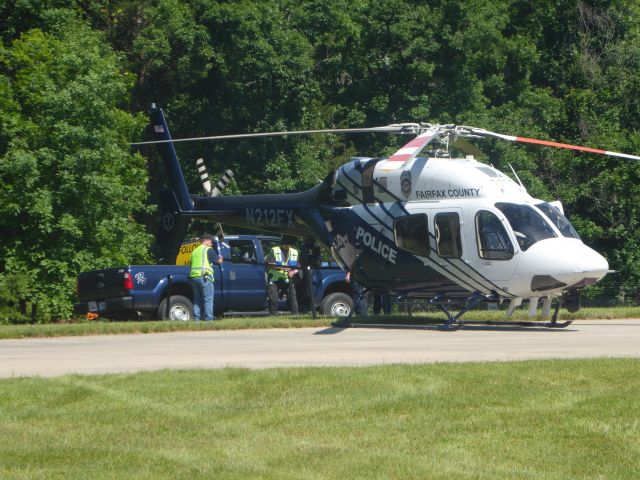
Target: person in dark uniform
{"points": [[281, 279], [362, 307], [310, 258], [382, 302]]}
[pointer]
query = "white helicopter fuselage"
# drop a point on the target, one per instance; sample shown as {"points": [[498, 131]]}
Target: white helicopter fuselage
{"points": [[468, 222], [420, 226]]}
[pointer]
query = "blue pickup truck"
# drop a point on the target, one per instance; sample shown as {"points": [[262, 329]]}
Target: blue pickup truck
{"points": [[144, 290]]}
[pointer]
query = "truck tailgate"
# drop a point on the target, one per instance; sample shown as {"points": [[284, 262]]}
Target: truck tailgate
{"points": [[102, 284]]}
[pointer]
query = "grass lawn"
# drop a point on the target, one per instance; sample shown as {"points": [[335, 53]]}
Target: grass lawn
{"points": [[104, 327], [520, 420]]}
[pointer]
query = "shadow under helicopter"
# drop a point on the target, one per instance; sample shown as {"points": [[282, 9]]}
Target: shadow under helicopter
{"points": [[495, 326]]}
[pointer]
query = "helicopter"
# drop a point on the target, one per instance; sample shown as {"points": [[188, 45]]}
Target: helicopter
{"points": [[421, 223]]}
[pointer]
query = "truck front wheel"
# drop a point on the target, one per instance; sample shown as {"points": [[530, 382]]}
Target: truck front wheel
{"points": [[337, 304], [180, 309]]}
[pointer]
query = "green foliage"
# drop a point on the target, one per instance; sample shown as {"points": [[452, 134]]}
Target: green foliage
{"points": [[564, 71], [69, 184]]}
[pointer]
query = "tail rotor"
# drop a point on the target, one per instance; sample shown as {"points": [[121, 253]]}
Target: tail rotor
{"points": [[227, 176]]}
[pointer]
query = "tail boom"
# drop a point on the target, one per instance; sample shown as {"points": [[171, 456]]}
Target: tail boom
{"points": [[287, 213]]}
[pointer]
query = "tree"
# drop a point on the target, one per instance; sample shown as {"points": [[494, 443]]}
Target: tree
{"points": [[69, 186]]}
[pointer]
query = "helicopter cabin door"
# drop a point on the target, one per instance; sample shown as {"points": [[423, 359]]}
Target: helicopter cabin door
{"points": [[447, 235], [489, 246]]}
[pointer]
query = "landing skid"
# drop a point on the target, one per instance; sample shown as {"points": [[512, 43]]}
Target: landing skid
{"points": [[454, 323], [508, 323], [460, 324]]}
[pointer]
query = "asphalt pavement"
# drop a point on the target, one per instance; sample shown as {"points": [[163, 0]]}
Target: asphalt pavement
{"points": [[299, 347]]}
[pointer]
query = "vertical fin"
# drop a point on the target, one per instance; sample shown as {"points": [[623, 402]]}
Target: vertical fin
{"points": [[175, 179], [171, 229]]}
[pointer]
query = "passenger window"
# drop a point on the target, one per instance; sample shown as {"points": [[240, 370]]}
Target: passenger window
{"points": [[242, 251], [448, 237], [412, 233], [493, 241]]}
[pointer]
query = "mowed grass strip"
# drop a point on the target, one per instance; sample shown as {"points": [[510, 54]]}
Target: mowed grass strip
{"points": [[521, 420], [105, 327]]}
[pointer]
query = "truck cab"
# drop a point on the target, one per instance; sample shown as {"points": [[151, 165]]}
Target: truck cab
{"points": [[164, 291]]}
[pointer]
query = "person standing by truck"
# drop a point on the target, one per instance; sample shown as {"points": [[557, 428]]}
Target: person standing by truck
{"points": [[282, 278], [201, 278], [360, 301], [382, 302]]}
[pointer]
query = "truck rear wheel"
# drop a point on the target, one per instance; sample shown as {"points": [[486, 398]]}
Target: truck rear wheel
{"points": [[180, 309], [337, 304]]}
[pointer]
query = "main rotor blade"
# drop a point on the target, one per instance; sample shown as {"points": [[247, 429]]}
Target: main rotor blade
{"points": [[485, 133], [400, 128], [468, 148]]}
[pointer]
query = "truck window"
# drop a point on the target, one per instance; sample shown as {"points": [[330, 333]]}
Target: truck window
{"points": [[243, 251]]}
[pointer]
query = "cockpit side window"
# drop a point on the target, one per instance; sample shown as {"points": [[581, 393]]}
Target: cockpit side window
{"points": [[367, 181], [493, 240], [528, 225], [412, 233], [558, 219], [448, 235]]}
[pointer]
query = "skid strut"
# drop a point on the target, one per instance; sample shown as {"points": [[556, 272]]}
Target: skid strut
{"points": [[453, 321]]}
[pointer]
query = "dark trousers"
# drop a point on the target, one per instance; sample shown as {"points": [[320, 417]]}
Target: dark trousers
{"points": [[382, 302], [361, 308], [283, 286]]}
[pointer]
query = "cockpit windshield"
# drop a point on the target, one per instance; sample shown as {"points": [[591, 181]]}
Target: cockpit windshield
{"points": [[527, 224], [558, 219]]}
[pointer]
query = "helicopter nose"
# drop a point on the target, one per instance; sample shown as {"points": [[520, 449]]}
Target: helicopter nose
{"points": [[589, 268], [566, 261]]}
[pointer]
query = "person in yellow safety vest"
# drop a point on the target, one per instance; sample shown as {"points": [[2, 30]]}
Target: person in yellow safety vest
{"points": [[201, 278], [282, 278]]}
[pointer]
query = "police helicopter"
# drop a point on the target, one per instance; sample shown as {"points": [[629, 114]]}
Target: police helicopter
{"points": [[420, 223]]}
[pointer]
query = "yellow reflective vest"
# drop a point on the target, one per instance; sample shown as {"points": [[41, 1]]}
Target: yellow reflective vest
{"points": [[276, 274], [200, 265]]}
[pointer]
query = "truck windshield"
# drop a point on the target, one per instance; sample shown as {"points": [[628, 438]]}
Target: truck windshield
{"points": [[528, 225], [558, 219]]}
